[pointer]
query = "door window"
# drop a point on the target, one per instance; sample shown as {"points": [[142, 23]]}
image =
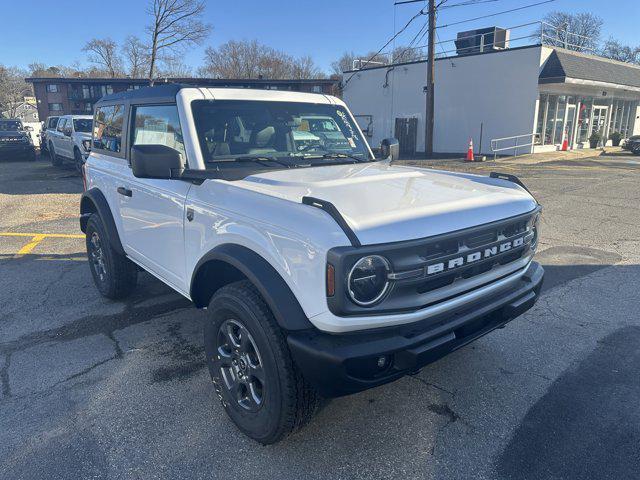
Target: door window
{"points": [[158, 125], [107, 128], [61, 123]]}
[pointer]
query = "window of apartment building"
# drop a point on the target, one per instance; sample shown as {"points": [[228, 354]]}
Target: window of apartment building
{"points": [[317, 89], [55, 107], [107, 128], [52, 88]]}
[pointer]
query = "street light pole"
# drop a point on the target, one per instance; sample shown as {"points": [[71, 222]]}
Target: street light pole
{"points": [[431, 69]]}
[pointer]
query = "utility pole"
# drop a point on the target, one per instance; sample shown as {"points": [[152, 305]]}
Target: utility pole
{"points": [[431, 70]]}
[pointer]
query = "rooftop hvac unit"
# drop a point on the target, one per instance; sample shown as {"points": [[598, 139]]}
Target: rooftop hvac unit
{"points": [[482, 40]]}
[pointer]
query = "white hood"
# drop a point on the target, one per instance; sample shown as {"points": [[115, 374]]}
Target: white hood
{"points": [[384, 203]]}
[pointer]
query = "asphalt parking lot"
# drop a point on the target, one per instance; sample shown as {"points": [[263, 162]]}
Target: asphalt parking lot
{"points": [[97, 389]]}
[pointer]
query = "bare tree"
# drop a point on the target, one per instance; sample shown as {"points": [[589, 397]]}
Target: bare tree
{"points": [[136, 56], [173, 66], [624, 53], [251, 59], [176, 24], [369, 60], [574, 31], [406, 54], [13, 89], [104, 53], [305, 67]]}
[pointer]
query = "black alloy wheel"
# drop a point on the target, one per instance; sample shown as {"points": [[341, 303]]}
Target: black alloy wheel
{"points": [[240, 365]]}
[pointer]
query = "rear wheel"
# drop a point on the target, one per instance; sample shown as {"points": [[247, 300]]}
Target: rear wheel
{"points": [[258, 385], [77, 156], [115, 275], [55, 159]]}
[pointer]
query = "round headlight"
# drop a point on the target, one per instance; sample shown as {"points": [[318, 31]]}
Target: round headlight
{"points": [[367, 281]]}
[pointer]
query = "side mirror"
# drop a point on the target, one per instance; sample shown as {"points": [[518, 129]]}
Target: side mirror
{"points": [[154, 161], [390, 149], [28, 128]]}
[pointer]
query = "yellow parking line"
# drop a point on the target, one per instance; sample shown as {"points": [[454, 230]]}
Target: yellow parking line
{"points": [[44, 235], [31, 245]]}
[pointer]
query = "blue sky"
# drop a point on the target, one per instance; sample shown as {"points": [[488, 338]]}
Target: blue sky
{"points": [[323, 29]]}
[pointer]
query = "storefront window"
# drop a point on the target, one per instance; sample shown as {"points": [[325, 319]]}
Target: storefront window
{"points": [[551, 115], [584, 117], [560, 111], [542, 110], [625, 120]]}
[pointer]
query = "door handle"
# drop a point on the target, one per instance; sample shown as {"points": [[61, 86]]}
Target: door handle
{"points": [[125, 191]]}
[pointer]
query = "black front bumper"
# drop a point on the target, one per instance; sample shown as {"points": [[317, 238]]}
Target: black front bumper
{"points": [[348, 363], [17, 150]]}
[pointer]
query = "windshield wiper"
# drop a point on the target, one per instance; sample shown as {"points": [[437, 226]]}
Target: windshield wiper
{"points": [[330, 155], [261, 159]]}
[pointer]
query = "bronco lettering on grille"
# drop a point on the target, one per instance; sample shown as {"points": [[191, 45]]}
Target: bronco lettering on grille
{"points": [[475, 256]]}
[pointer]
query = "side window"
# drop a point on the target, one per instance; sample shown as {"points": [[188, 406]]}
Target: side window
{"points": [[61, 123], [157, 125], [107, 128]]}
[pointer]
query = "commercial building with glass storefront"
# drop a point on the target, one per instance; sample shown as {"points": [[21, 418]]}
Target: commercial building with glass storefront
{"points": [[513, 100], [581, 95]]}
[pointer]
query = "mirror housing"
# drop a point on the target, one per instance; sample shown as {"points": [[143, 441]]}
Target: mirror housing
{"points": [[155, 161], [390, 149], [28, 128]]}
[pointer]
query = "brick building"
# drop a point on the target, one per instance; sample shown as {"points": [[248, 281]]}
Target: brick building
{"points": [[63, 96]]}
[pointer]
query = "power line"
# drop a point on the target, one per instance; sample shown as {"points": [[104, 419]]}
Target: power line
{"points": [[495, 14], [421, 12], [468, 3]]}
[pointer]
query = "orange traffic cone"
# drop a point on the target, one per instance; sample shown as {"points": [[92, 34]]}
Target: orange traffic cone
{"points": [[470, 151], [565, 142]]}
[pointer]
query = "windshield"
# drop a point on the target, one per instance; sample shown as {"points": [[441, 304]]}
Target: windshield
{"points": [[83, 125], [10, 126], [232, 129]]}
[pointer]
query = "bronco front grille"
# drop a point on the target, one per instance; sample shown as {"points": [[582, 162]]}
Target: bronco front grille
{"points": [[473, 245]]}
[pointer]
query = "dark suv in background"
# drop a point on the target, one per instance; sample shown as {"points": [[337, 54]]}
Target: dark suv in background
{"points": [[16, 141]]}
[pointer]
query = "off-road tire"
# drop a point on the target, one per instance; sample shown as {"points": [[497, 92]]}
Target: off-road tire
{"points": [[289, 401], [56, 161], [120, 274], [77, 158]]}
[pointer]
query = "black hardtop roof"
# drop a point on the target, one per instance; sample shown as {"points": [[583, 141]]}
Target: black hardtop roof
{"points": [[159, 93]]}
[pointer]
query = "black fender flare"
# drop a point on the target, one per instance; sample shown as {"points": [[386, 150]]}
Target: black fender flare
{"points": [[274, 290], [94, 201]]}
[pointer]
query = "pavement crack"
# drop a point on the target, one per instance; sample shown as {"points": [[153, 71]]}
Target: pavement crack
{"points": [[429, 384], [94, 325]]}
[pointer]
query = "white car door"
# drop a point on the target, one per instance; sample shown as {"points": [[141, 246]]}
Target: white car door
{"points": [[67, 139], [153, 210], [58, 136]]}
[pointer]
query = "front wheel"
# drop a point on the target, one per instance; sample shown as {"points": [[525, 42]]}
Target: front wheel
{"points": [[258, 385], [114, 274]]}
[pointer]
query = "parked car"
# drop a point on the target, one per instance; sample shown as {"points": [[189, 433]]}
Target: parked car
{"points": [[70, 140], [324, 272], [15, 140], [632, 143], [49, 124]]}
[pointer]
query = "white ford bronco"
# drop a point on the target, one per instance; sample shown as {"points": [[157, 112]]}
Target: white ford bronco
{"points": [[323, 270]]}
